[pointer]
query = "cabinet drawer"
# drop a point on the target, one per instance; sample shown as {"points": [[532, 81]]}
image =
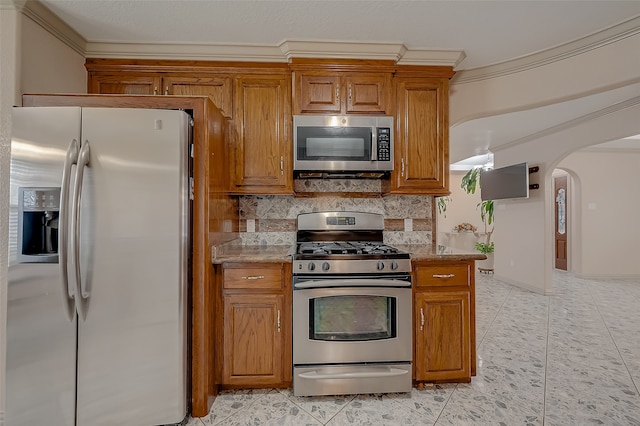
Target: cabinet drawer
{"points": [[442, 275], [252, 278]]}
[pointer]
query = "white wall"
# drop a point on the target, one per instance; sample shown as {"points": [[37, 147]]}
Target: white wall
{"points": [[524, 229], [31, 61], [48, 65], [462, 208], [607, 207], [616, 64]]}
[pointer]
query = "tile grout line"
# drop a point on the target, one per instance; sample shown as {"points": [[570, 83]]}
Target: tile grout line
{"points": [[546, 359], [445, 404], [477, 346], [595, 302], [243, 409], [324, 423], [493, 320]]}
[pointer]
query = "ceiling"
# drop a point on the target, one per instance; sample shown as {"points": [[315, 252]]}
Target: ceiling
{"points": [[484, 32]]}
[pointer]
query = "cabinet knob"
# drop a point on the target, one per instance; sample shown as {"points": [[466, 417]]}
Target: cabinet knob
{"points": [[155, 90], [421, 319], [443, 275], [278, 320], [281, 166], [402, 167], [337, 92]]}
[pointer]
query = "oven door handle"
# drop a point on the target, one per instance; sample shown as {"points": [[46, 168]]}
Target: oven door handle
{"points": [[391, 372], [351, 283]]}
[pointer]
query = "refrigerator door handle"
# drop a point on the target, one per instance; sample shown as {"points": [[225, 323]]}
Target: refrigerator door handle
{"points": [[63, 225], [80, 295]]}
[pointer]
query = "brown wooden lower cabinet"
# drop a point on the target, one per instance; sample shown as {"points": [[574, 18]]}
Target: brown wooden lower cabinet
{"points": [[442, 336], [253, 339], [444, 321], [255, 329]]}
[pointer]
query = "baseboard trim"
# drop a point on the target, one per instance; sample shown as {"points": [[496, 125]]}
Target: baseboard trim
{"points": [[608, 276], [525, 286]]}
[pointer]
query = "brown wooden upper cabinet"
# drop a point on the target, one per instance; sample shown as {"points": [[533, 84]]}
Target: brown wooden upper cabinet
{"points": [[218, 87], [125, 84], [259, 100], [421, 137], [318, 92], [261, 135]]}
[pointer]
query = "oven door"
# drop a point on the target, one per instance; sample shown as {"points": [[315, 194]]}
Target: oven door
{"points": [[352, 321]]}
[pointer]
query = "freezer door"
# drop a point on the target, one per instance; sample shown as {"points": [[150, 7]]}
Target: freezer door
{"points": [[133, 247], [41, 339]]}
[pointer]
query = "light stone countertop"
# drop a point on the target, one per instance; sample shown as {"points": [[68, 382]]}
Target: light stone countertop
{"points": [[235, 252], [438, 252]]}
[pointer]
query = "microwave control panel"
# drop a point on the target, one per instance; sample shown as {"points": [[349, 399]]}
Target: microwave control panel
{"points": [[384, 143]]}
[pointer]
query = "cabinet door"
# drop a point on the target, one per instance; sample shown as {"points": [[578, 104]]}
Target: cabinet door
{"points": [[218, 88], [317, 93], [262, 136], [253, 342], [367, 93], [422, 137], [125, 84], [443, 340]]}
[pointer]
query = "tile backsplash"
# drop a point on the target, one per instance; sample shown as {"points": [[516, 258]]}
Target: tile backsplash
{"points": [[271, 219]]}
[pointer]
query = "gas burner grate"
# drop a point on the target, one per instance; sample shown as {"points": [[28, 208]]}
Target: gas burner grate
{"points": [[345, 247]]}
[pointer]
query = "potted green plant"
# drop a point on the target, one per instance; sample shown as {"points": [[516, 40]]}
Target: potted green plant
{"points": [[442, 203], [471, 182]]}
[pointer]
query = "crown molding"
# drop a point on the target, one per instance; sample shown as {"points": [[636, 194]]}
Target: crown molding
{"points": [[288, 49], [593, 41], [198, 52], [612, 150], [450, 58], [333, 49], [630, 103], [284, 52]]}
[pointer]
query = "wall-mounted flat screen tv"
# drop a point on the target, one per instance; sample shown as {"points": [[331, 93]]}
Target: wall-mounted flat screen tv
{"points": [[505, 182]]}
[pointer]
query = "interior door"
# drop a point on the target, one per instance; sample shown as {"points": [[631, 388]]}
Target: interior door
{"points": [[560, 191]]}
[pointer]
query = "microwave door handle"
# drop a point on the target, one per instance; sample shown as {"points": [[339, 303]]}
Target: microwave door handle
{"points": [[374, 145]]}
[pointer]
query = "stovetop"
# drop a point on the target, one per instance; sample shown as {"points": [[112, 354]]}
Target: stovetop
{"points": [[363, 248], [345, 242]]}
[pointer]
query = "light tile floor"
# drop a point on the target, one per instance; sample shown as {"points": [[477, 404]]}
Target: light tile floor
{"points": [[568, 359]]}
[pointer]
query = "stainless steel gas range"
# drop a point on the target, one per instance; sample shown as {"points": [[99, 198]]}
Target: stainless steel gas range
{"points": [[351, 307]]}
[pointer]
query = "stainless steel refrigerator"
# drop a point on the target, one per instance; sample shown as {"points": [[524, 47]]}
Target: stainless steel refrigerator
{"points": [[98, 268]]}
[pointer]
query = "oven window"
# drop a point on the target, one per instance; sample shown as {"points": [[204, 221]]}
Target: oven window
{"points": [[352, 318], [334, 143]]}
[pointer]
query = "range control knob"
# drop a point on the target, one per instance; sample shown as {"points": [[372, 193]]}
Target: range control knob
{"points": [[394, 265], [325, 266], [311, 266], [380, 266]]}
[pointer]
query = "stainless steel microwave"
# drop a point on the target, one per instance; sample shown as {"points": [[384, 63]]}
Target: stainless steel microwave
{"points": [[342, 144]]}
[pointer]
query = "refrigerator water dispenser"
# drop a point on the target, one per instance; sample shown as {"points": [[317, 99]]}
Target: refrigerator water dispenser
{"points": [[38, 212]]}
